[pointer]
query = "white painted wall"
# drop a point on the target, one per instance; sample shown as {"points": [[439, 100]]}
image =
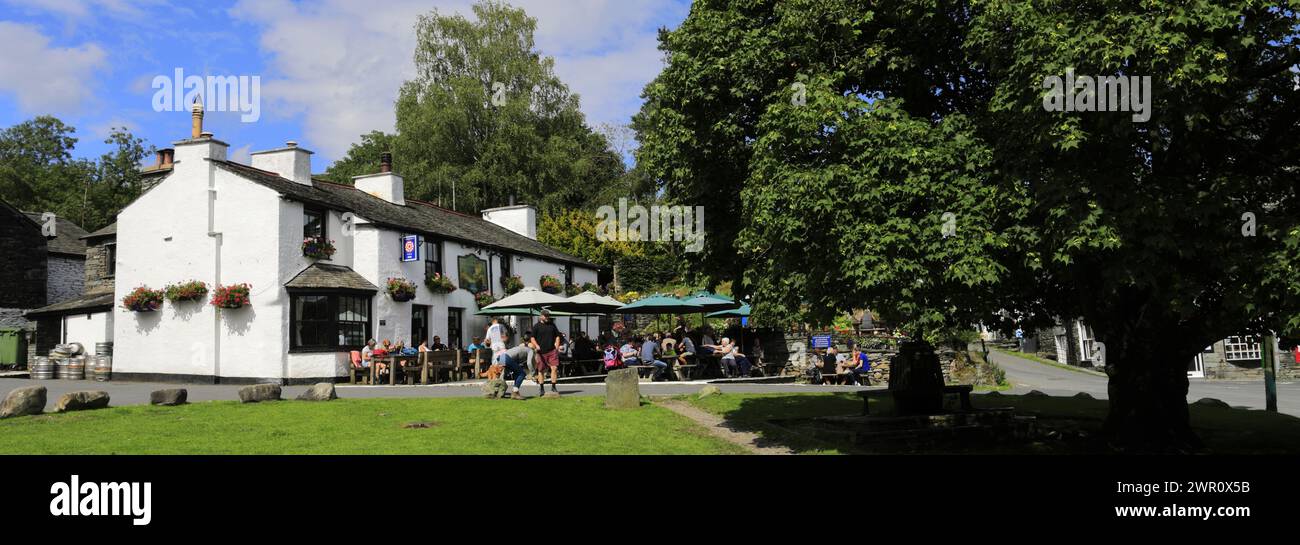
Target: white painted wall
{"points": [[88, 329]]}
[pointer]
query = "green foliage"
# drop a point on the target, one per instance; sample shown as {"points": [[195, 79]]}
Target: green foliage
{"points": [[835, 190], [38, 173], [461, 138]]}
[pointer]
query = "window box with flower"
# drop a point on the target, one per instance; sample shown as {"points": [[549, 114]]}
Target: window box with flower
{"points": [[143, 299], [185, 292], [439, 284], [318, 247], [401, 289], [484, 298], [232, 297]]}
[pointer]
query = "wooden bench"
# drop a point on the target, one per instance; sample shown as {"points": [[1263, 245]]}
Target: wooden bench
{"points": [[962, 390], [435, 361], [685, 372], [358, 374]]}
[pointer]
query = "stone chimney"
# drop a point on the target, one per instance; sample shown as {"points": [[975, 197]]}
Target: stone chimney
{"points": [[520, 218], [290, 162], [385, 184]]}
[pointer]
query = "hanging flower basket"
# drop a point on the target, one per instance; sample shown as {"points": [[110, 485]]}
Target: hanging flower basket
{"points": [[232, 296], [143, 299], [401, 289], [439, 284], [594, 288], [185, 292], [484, 298], [512, 284], [317, 248], [551, 284]]}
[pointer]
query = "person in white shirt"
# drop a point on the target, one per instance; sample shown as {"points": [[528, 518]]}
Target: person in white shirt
{"points": [[495, 337]]}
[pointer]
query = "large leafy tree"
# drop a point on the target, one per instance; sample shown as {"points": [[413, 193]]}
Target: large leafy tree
{"points": [[38, 172], [486, 120], [900, 155]]}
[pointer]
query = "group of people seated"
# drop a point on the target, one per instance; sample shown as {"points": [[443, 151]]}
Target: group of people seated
{"points": [[662, 351], [836, 368], [365, 357]]}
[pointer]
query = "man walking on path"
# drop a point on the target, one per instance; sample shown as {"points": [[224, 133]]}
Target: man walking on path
{"points": [[546, 341], [495, 337]]}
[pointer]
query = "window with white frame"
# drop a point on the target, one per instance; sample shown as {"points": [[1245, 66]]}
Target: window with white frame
{"points": [[1241, 348]]}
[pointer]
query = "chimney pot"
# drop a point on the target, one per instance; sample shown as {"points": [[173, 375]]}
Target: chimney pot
{"points": [[168, 155], [205, 134], [385, 162], [291, 143], [196, 119]]}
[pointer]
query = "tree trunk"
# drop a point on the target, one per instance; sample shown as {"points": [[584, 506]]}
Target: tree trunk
{"points": [[1148, 396]]}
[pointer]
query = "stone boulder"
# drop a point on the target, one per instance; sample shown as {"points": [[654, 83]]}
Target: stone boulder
{"points": [[495, 389], [321, 391], [1211, 402], [709, 390], [81, 401], [259, 392], [1036, 393], [23, 401], [169, 397], [622, 389], [1083, 395]]}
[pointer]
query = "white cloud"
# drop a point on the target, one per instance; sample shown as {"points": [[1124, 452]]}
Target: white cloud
{"points": [[340, 63], [44, 78]]}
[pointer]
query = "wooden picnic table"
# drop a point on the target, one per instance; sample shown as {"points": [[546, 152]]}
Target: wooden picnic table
{"points": [[394, 363]]}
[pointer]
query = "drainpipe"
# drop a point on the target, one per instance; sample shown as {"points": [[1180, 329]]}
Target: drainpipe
{"points": [[216, 270]]}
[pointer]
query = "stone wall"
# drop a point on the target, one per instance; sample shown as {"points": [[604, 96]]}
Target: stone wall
{"points": [[66, 280], [22, 262], [97, 277]]}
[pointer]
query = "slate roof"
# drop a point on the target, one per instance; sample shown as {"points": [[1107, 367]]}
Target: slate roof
{"points": [[325, 275], [84, 304], [67, 239], [416, 217], [106, 231]]}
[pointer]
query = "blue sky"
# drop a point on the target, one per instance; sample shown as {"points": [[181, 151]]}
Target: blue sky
{"points": [[329, 70]]}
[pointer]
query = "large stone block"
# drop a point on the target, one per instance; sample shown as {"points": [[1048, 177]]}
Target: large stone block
{"points": [[23, 401], [81, 401], [321, 391], [259, 392], [169, 397], [622, 389]]}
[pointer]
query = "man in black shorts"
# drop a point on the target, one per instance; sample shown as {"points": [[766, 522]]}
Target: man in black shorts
{"points": [[546, 341]]}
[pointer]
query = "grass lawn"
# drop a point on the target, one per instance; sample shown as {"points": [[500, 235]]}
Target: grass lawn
{"points": [[570, 425], [1224, 431]]}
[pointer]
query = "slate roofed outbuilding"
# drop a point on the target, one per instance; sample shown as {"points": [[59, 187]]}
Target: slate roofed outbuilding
{"points": [[67, 236], [84, 304], [414, 217], [327, 276], [106, 231]]}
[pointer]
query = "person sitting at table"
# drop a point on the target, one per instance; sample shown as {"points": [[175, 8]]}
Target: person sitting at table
{"points": [[687, 349], [629, 352], [830, 365], [475, 343], [437, 344], [424, 346], [729, 364], [367, 352], [860, 365], [707, 346], [650, 356]]}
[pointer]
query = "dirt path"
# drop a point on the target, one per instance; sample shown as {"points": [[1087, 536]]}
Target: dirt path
{"points": [[719, 428]]}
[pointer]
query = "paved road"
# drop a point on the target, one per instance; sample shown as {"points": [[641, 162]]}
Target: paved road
{"points": [[135, 393], [1030, 375]]}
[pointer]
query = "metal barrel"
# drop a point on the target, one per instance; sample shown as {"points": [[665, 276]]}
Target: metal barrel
{"points": [[42, 369], [61, 367], [76, 369], [103, 370], [104, 349]]}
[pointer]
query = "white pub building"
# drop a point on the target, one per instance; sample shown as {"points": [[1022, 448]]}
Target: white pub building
{"points": [[225, 223]]}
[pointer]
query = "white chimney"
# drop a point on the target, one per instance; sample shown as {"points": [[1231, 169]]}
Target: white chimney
{"points": [[290, 162], [385, 185], [520, 218]]}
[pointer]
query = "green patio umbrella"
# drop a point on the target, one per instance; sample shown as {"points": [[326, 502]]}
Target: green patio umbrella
{"points": [[741, 312], [518, 311], [710, 302], [660, 304]]}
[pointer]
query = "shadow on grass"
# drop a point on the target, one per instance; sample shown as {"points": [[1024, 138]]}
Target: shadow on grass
{"points": [[1065, 425]]}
